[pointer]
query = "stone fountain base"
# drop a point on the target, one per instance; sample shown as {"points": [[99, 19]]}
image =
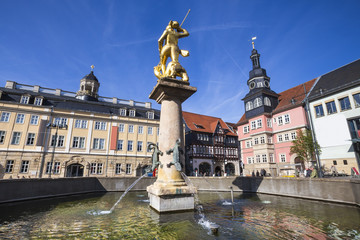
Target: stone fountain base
{"points": [[165, 198]]}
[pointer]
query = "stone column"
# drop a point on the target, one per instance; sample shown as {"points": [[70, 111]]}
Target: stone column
{"points": [[170, 187]]}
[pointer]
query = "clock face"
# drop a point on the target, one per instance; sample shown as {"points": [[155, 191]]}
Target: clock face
{"points": [[266, 83], [252, 85]]}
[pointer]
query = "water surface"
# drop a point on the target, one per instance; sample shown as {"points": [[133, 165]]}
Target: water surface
{"points": [[252, 216]]}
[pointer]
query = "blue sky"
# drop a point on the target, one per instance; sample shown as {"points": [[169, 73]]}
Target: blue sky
{"points": [[53, 44]]}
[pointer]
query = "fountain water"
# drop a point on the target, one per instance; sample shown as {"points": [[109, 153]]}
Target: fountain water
{"points": [[118, 201]]}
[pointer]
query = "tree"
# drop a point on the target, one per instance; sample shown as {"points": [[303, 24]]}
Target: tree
{"points": [[304, 146]]}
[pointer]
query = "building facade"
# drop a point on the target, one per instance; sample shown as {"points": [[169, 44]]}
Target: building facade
{"points": [[334, 105], [212, 148], [270, 124], [55, 133]]}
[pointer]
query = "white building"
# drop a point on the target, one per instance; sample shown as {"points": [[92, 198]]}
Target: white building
{"points": [[334, 104]]}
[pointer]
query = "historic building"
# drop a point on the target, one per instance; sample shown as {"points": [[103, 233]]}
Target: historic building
{"points": [[211, 146], [270, 123], [55, 133], [334, 105]]}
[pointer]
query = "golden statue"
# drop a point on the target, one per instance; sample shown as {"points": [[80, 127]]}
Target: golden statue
{"points": [[171, 49]]}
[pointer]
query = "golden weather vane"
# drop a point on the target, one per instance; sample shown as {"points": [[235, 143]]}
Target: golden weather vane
{"points": [[92, 67], [252, 42]]}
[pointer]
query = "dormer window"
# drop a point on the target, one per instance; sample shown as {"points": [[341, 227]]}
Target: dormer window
{"points": [[25, 99], [267, 101], [150, 115], [249, 106], [122, 111], [38, 101], [257, 102], [132, 113]]}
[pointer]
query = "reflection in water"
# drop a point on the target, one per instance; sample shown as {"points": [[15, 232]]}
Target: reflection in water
{"points": [[250, 217]]}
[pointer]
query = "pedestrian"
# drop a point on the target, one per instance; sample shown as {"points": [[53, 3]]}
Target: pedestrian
{"points": [[257, 173], [253, 174]]}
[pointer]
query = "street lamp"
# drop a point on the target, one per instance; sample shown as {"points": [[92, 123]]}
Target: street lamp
{"points": [[56, 126]]}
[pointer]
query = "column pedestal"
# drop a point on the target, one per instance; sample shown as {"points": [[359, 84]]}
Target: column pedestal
{"points": [[170, 192]]}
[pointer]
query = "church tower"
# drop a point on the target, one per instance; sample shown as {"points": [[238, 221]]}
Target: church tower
{"points": [[260, 99], [89, 87]]}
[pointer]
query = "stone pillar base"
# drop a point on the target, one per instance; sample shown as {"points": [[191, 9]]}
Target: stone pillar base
{"points": [[171, 199]]}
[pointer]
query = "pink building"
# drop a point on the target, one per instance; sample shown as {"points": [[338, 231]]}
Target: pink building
{"points": [[270, 123]]}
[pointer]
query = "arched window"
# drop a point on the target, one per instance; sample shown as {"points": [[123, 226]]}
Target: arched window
{"points": [[267, 101], [249, 106], [257, 102]]}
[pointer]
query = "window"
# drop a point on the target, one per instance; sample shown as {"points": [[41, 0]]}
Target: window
{"points": [[345, 162], [268, 122], [99, 143], [287, 118], [38, 101], [253, 125], [286, 136], [262, 140], [158, 132], [269, 139], [132, 113], [2, 137], [24, 167], [99, 169], [293, 135], [120, 144], [16, 138], [130, 145], [20, 118], [249, 106], [57, 168], [331, 108], [357, 99], [59, 141], [34, 119], [271, 157], [121, 127], [334, 162], [128, 168], [147, 147], [140, 129], [257, 102], [9, 166], [250, 160], [267, 101], [256, 141], [24, 99], [344, 103], [118, 168], [246, 129], [258, 158], [259, 84], [48, 167], [131, 128], [139, 146], [122, 112], [319, 111], [282, 157], [150, 115], [280, 138], [259, 123], [30, 139], [5, 116], [264, 158], [80, 123], [96, 168], [150, 130], [78, 142], [60, 121], [100, 125], [280, 120]]}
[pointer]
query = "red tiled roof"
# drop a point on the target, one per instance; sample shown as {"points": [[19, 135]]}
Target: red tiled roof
{"points": [[285, 98], [203, 123]]}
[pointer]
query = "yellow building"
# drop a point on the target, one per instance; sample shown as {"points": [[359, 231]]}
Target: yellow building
{"points": [[55, 133]]}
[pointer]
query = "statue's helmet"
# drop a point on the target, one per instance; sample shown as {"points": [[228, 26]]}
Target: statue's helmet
{"points": [[175, 24]]}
